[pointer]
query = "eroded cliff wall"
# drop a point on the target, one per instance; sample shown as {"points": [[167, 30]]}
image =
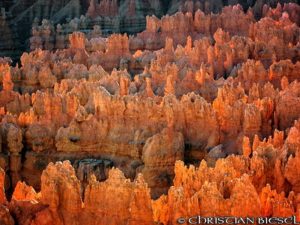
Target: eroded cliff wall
{"points": [[186, 117]]}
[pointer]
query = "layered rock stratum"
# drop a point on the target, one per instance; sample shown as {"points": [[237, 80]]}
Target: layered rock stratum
{"points": [[196, 111]]}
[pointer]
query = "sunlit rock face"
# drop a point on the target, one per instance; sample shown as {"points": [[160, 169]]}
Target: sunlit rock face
{"points": [[197, 113]]}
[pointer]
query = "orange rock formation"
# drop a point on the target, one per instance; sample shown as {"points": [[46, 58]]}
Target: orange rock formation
{"points": [[196, 115]]}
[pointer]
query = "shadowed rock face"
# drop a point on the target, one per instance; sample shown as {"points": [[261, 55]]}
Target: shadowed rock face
{"points": [[196, 114]]}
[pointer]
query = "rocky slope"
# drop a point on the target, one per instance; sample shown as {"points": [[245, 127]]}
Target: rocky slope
{"points": [[20, 18]]}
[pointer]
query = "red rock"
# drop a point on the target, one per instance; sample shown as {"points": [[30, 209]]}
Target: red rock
{"points": [[2, 192], [5, 217], [192, 86]]}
